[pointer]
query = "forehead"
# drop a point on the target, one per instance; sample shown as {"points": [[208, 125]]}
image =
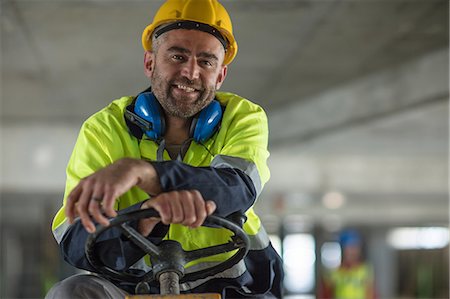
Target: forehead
{"points": [[192, 40]]}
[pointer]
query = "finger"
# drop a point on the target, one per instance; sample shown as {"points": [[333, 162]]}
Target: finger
{"points": [[189, 208], [109, 199], [210, 207], [94, 208], [82, 209], [71, 204], [162, 205], [200, 209], [145, 226], [177, 203]]}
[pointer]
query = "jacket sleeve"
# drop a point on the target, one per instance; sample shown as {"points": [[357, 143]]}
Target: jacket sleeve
{"points": [[221, 185]]}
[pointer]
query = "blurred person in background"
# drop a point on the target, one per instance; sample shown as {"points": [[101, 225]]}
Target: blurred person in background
{"points": [[181, 148], [354, 278]]}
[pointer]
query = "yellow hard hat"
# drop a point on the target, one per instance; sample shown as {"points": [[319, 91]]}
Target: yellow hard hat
{"points": [[194, 14]]}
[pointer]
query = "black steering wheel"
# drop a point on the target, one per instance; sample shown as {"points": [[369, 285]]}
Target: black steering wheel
{"points": [[168, 255]]}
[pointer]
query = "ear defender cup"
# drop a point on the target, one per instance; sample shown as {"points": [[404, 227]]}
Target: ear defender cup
{"points": [[207, 122], [149, 109]]}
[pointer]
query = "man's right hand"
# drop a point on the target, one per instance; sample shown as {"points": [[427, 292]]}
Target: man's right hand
{"points": [[186, 207], [94, 196]]}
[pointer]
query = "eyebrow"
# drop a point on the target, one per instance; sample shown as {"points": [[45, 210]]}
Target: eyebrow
{"points": [[186, 51]]}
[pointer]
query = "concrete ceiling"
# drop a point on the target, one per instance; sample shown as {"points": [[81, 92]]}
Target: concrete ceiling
{"points": [[338, 79]]}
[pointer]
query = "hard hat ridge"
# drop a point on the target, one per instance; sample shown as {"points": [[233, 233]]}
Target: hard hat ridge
{"points": [[199, 10]]}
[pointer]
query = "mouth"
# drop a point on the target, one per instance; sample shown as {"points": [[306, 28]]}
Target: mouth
{"points": [[185, 88], [185, 92]]}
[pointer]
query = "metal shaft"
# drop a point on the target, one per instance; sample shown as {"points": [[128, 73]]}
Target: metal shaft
{"points": [[169, 283]]}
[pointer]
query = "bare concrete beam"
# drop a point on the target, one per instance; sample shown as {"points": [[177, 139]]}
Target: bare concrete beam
{"points": [[357, 174], [416, 83], [34, 158]]}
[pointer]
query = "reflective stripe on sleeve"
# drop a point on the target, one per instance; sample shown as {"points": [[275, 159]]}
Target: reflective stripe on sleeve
{"points": [[260, 240], [233, 272], [222, 161], [60, 230]]}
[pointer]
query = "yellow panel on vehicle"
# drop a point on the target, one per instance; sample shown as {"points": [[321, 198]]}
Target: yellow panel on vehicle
{"points": [[181, 296]]}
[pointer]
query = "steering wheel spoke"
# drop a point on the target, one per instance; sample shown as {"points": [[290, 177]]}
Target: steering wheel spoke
{"points": [[138, 239]]}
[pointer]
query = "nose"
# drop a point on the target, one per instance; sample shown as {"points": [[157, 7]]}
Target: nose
{"points": [[190, 70]]}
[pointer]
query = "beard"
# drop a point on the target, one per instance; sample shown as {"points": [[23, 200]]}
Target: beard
{"points": [[178, 105]]}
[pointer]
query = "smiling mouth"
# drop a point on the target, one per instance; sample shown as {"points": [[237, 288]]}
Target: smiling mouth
{"points": [[186, 88]]}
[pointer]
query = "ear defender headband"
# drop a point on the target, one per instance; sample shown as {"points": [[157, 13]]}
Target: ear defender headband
{"points": [[148, 116]]}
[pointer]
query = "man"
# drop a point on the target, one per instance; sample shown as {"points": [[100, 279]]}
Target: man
{"points": [[353, 279], [181, 148]]}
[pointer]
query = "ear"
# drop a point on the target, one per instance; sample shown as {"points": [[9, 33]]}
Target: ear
{"points": [[149, 60], [221, 77]]}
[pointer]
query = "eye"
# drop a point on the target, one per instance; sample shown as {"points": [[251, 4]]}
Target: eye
{"points": [[206, 63], [177, 57]]}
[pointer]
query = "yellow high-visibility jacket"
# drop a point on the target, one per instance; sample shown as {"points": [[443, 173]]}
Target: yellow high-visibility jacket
{"points": [[352, 283], [229, 168]]}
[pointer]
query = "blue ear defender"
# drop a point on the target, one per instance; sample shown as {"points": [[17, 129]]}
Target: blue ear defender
{"points": [[207, 122], [150, 118], [148, 108]]}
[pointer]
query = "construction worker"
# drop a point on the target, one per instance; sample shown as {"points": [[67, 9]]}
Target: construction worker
{"points": [[353, 279], [180, 147]]}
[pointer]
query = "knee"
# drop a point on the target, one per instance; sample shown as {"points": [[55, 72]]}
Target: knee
{"points": [[77, 286]]}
